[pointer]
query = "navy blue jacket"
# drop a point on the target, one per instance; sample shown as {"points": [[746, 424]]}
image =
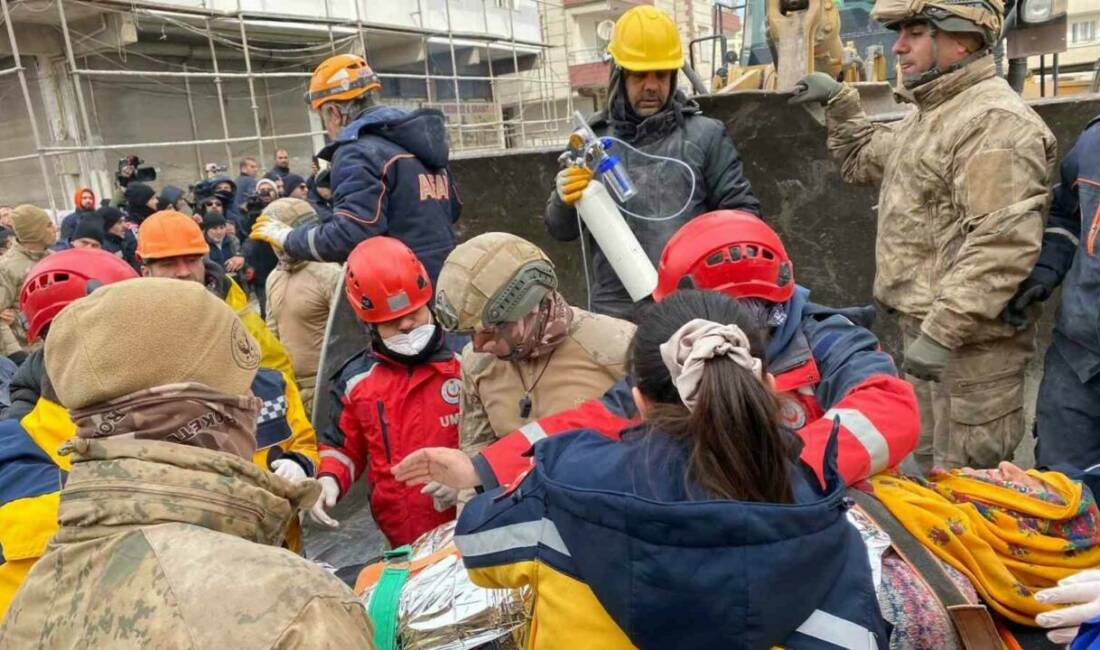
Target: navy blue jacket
{"points": [[673, 568], [1070, 254], [389, 177]]}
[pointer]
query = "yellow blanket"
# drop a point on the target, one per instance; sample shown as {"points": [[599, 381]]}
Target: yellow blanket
{"points": [[1008, 538]]}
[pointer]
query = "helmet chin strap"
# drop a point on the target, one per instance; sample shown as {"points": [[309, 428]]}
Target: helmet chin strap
{"points": [[935, 72]]}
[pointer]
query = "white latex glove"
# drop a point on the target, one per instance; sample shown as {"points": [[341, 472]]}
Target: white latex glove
{"points": [[271, 231], [330, 492], [288, 469], [1082, 590], [443, 497]]}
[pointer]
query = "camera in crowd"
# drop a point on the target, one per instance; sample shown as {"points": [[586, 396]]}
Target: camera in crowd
{"points": [[213, 169], [133, 168]]}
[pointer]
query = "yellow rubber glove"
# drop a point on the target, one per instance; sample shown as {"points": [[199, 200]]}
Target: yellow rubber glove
{"points": [[572, 182], [268, 230]]}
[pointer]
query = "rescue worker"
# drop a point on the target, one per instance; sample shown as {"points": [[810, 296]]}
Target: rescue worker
{"points": [[1067, 414], [30, 466], [648, 112], [389, 173], [171, 245], [532, 354], [964, 187], [164, 542], [682, 534], [825, 365], [299, 298], [34, 234], [396, 396]]}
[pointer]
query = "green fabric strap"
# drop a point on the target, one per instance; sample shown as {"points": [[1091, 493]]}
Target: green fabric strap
{"points": [[386, 598]]}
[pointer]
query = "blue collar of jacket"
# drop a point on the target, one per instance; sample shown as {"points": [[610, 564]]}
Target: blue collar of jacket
{"points": [[375, 116], [705, 573], [782, 338]]}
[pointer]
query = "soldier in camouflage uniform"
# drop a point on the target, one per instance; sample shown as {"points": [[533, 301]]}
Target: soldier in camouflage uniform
{"points": [[964, 189], [532, 354], [168, 534]]}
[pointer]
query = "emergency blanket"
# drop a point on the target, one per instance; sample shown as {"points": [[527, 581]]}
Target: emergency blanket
{"points": [[440, 608], [1009, 539]]}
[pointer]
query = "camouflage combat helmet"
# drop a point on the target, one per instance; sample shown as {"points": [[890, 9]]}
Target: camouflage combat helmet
{"points": [[291, 211], [982, 17], [492, 279]]}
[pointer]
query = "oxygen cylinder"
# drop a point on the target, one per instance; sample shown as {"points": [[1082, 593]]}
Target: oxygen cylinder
{"points": [[627, 257]]}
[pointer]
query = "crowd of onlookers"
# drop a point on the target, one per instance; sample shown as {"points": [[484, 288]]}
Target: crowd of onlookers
{"points": [[224, 207]]}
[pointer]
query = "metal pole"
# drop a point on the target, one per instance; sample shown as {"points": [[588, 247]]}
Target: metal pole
{"points": [[328, 16], [515, 70], [252, 85], [30, 107], [493, 87], [359, 29], [270, 111], [194, 123], [221, 98], [1042, 75], [86, 165], [454, 73], [1054, 74], [427, 70]]}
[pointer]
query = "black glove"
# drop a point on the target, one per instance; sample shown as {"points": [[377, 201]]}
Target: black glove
{"points": [[1036, 288], [815, 87]]}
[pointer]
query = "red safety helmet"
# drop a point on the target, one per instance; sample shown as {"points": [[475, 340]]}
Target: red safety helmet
{"points": [[384, 280], [64, 277], [731, 251]]}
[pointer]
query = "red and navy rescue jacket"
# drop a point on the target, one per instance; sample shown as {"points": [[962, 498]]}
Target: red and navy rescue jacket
{"points": [[827, 367], [389, 177], [385, 411]]}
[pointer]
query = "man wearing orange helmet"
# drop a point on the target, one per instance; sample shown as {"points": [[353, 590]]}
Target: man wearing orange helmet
{"points": [[389, 173], [398, 395], [828, 366]]}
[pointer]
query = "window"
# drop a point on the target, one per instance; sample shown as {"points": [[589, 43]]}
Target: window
{"points": [[1083, 32]]}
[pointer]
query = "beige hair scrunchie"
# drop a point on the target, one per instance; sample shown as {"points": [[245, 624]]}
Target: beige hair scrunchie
{"points": [[686, 352]]}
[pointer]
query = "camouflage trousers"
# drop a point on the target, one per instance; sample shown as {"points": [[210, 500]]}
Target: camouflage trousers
{"points": [[975, 416]]}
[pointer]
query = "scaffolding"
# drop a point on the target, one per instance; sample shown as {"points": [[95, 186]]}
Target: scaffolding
{"points": [[497, 90]]}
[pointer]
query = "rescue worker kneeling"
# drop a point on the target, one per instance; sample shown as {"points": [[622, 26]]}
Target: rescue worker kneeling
{"points": [[700, 528], [168, 532]]}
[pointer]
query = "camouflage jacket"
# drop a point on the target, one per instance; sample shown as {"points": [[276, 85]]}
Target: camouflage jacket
{"points": [[166, 546], [964, 190], [14, 266]]}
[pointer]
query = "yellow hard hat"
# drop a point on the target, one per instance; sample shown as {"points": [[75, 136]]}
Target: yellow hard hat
{"points": [[646, 39]]}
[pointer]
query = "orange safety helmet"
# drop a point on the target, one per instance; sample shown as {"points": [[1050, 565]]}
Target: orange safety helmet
{"points": [[384, 280], [339, 78], [170, 234], [731, 251]]}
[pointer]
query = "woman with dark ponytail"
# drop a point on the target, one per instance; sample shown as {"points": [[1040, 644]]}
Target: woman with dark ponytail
{"points": [[699, 529]]}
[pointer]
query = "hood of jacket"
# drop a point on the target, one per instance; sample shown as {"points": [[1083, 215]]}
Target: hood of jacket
{"points": [[116, 485], [421, 132], [672, 571], [76, 199]]}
